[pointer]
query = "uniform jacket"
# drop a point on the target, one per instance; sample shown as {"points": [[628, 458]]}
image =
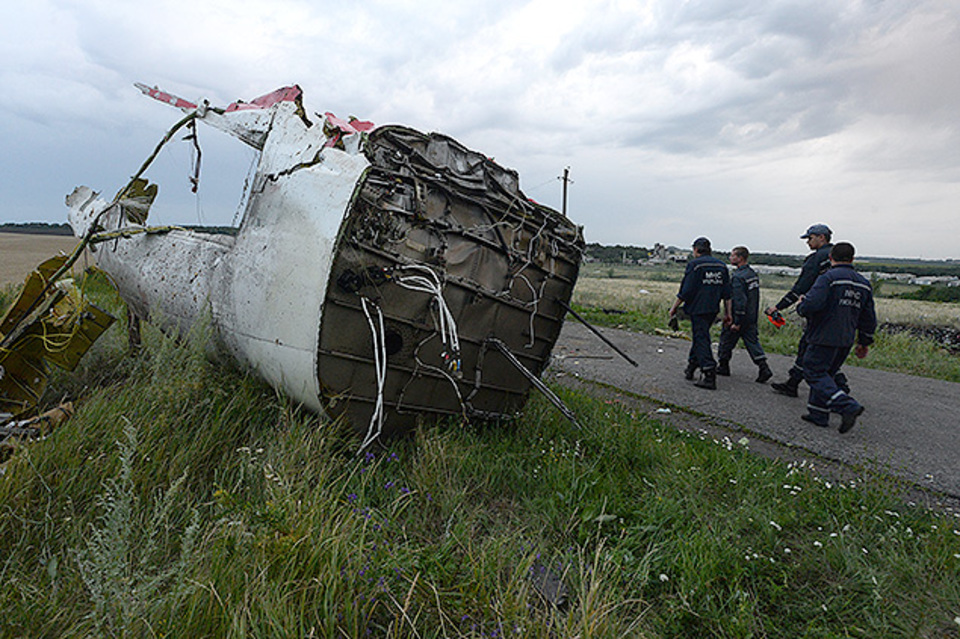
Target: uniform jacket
{"points": [[813, 266], [839, 309], [705, 282], [745, 295]]}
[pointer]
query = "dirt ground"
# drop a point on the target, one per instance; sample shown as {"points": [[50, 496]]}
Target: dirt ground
{"points": [[20, 253]]}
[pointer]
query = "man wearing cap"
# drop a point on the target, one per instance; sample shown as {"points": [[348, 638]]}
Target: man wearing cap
{"points": [[818, 239], [706, 281], [840, 312]]}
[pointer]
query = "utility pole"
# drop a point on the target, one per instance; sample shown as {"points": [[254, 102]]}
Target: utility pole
{"points": [[566, 180]]}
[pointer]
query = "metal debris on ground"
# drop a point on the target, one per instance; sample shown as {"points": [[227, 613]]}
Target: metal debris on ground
{"points": [[378, 274], [12, 432], [50, 322]]}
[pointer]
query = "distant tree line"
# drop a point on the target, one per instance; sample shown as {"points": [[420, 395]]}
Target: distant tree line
{"points": [[934, 294], [619, 253], [43, 228], [36, 228], [931, 268]]}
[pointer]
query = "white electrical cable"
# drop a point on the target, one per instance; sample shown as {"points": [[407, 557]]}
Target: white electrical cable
{"points": [[380, 366], [447, 326]]}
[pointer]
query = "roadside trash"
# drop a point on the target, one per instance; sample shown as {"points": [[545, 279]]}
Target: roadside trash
{"points": [[664, 411]]}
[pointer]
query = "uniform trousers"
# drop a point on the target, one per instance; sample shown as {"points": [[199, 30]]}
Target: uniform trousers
{"points": [[820, 365], [701, 353], [751, 340], [796, 371]]}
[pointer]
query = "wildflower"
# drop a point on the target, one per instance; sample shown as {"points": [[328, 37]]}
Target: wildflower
{"points": [[663, 577], [776, 525], [787, 551], [865, 551], [817, 544]]}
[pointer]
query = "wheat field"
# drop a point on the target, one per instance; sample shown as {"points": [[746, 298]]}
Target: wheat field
{"points": [[20, 253]]}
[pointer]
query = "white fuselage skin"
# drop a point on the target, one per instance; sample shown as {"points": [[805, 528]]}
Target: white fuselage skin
{"points": [[264, 288]]}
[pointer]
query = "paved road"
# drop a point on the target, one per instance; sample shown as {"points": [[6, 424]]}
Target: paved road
{"points": [[911, 427]]}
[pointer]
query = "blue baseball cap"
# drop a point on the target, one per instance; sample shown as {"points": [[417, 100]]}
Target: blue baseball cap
{"points": [[817, 229]]}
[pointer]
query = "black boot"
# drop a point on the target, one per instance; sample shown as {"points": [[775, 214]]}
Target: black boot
{"points": [[788, 388], [723, 368], [764, 373], [849, 419], [690, 370], [708, 380]]}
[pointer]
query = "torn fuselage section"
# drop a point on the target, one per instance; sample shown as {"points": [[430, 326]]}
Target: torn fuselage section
{"points": [[440, 243], [372, 273]]}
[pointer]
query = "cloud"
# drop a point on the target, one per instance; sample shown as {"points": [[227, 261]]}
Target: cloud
{"points": [[672, 115]]}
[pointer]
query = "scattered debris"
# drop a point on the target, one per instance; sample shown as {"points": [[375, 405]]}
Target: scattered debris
{"points": [[379, 273], [947, 337], [672, 334], [13, 432], [49, 323]]}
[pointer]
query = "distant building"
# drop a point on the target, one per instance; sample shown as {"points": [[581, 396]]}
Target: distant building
{"points": [[769, 269], [932, 280], [661, 254]]}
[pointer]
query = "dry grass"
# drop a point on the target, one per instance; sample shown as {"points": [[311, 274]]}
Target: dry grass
{"points": [[640, 293], [21, 253]]}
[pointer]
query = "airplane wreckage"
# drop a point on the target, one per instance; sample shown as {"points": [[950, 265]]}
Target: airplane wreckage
{"points": [[378, 274]]}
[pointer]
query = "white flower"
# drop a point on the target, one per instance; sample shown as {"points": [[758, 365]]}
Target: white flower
{"points": [[787, 551], [663, 577], [817, 544], [776, 525]]}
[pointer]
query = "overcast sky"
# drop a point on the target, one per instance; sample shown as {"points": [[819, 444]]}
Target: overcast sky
{"points": [[741, 120]]}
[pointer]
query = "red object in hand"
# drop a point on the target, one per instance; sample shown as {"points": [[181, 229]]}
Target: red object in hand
{"points": [[776, 319]]}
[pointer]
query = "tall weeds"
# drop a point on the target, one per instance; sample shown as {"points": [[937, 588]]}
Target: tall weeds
{"points": [[186, 499]]}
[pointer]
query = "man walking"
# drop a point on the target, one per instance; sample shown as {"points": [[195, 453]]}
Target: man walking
{"points": [[818, 239], [705, 282], [745, 299], [840, 312]]}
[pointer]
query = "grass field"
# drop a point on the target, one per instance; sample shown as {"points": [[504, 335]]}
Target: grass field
{"points": [[21, 253], [187, 499]]}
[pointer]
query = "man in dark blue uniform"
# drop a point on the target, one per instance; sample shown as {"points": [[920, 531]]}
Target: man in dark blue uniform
{"points": [[840, 312], [818, 239], [705, 282], [745, 298]]}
